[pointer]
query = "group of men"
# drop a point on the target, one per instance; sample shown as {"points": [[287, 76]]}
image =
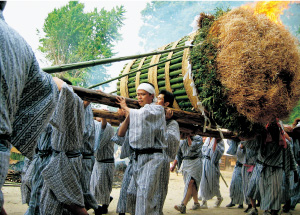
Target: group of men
{"points": [[48, 123], [267, 169], [198, 158]]}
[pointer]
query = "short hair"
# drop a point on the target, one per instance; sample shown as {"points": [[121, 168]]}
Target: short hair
{"points": [[66, 80], [168, 97], [2, 5]]}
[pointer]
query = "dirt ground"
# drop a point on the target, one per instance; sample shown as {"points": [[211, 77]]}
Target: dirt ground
{"points": [[14, 206]]}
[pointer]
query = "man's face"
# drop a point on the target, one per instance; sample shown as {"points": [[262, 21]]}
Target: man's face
{"points": [[161, 100], [144, 97]]}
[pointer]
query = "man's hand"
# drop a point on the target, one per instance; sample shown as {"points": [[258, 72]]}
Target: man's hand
{"points": [[58, 82], [122, 112], [172, 168], [86, 103], [122, 102]]}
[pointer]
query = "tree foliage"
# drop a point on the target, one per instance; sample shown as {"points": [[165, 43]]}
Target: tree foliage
{"points": [[73, 35]]}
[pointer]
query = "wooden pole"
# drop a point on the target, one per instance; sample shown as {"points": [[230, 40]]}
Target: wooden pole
{"points": [[198, 129], [108, 99], [184, 128]]}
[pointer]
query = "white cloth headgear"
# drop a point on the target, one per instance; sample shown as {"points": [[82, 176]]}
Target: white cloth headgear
{"points": [[149, 88]]}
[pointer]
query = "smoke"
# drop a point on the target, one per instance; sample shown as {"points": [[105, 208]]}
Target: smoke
{"points": [[168, 21]]}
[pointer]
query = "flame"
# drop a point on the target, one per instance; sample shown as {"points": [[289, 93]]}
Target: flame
{"points": [[272, 9]]}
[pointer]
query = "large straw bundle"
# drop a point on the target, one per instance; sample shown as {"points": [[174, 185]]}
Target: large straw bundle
{"points": [[258, 62], [246, 71]]}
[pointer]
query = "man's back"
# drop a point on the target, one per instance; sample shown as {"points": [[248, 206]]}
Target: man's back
{"points": [[27, 94]]}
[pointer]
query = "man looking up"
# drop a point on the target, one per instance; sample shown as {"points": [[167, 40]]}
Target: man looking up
{"points": [[147, 127]]}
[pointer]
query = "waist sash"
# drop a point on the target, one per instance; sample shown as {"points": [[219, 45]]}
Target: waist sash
{"points": [[43, 153], [138, 152], [107, 160], [87, 155], [70, 154], [190, 157]]}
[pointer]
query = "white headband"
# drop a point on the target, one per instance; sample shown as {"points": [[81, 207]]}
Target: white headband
{"points": [[149, 88]]}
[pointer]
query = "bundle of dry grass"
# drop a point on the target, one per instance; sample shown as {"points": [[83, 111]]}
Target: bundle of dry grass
{"points": [[258, 62]]}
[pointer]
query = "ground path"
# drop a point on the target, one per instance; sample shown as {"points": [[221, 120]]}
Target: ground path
{"points": [[14, 206]]}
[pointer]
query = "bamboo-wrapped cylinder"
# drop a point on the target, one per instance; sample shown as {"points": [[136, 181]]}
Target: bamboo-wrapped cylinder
{"points": [[244, 69], [168, 76]]}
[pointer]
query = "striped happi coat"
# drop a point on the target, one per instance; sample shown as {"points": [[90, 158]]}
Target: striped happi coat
{"points": [[147, 129], [248, 158], [26, 182], [172, 141], [272, 161], [27, 97], [288, 176], [126, 152], [88, 158], [103, 170], [235, 191], [295, 198], [190, 161], [210, 183], [62, 174], [33, 175]]}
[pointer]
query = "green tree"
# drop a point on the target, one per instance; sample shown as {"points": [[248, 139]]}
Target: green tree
{"points": [[294, 114], [71, 35]]}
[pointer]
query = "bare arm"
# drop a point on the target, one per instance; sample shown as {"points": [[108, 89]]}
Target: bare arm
{"points": [[173, 166], [103, 123], [123, 128], [58, 82]]}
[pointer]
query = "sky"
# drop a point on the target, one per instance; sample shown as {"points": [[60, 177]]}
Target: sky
{"points": [[28, 16]]}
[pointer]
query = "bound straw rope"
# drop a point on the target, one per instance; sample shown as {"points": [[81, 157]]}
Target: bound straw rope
{"points": [[152, 72], [124, 81], [188, 80]]}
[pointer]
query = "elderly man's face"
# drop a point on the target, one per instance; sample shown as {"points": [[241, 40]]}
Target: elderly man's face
{"points": [[144, 97]]}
